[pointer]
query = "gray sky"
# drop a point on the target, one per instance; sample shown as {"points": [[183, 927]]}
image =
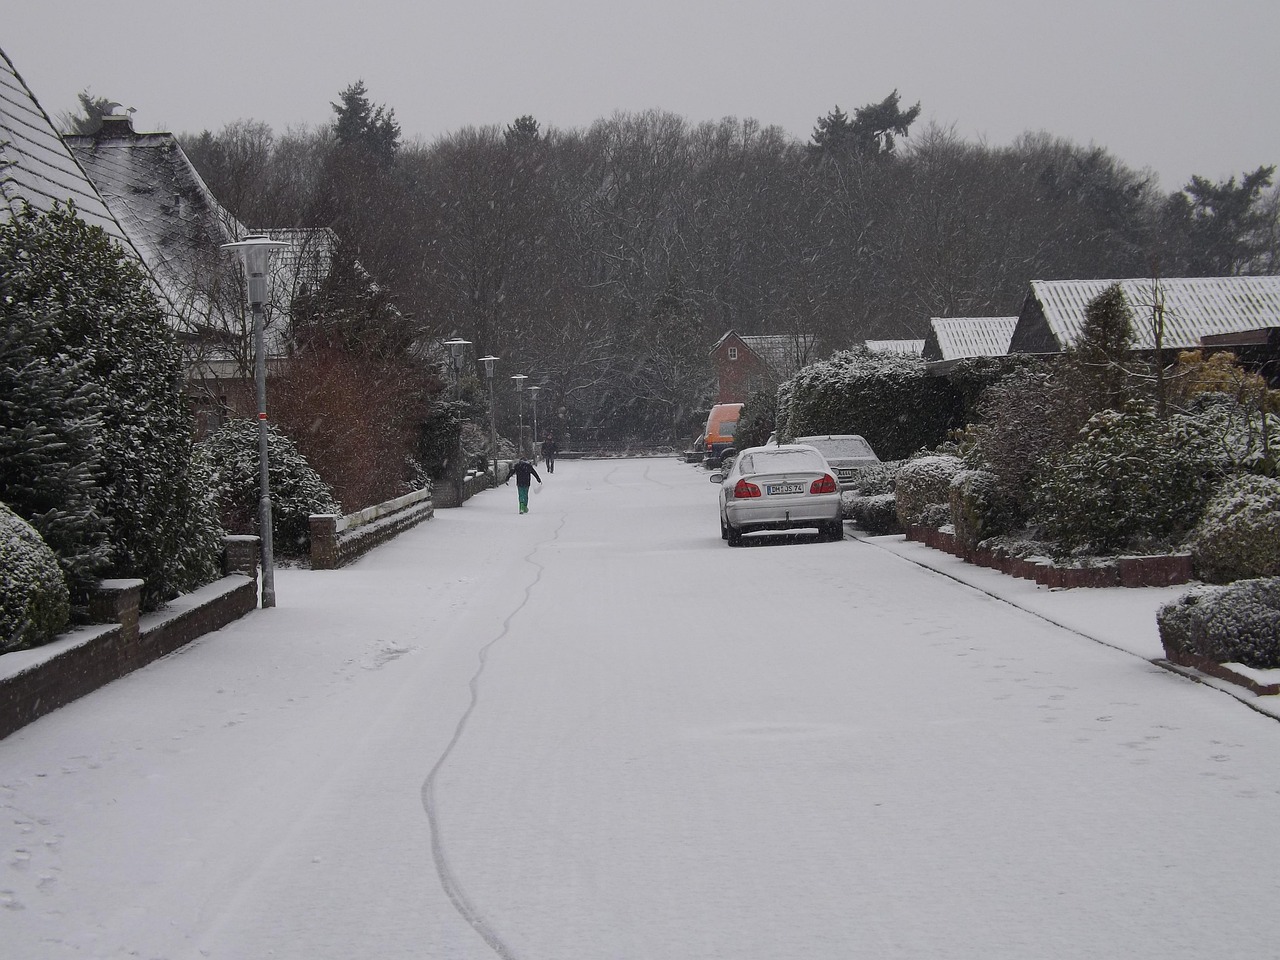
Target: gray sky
{"points": [[1179, 86]]}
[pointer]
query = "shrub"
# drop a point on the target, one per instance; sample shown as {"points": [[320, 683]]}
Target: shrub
{"points": [[1239, 623], [877, 514], [924, 489], [34, 604], [1239, 535], [874, 479], [978, 508], [98, 307], [230, 454], [1132, 482], [757, 420]]}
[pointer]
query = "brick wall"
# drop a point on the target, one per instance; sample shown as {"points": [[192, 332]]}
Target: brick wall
{"points": [[89, 658]]}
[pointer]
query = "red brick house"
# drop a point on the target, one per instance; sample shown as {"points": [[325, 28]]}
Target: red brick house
{"points": [[745, 365]]}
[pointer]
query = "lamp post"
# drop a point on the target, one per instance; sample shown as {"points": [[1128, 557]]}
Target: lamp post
{"points": [[255, 254], [488, 362], [520, 378], [533, 392], [456, 346]]}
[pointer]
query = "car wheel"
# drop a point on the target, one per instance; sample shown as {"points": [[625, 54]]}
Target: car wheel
{"points": [[733, 535], [835, 530], [724, 531]]}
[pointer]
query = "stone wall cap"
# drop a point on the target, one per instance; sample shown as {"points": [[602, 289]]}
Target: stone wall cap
{"points": [[242, 538], [122, 584]]}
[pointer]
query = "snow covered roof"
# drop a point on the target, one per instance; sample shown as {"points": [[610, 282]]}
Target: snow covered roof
{"points": [[36, 165], [783, 353], [955, 338], [162, 203], [1053, 312], [902, 348]]}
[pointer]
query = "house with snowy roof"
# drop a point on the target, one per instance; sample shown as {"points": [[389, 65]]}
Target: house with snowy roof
{"points": [[746, 364], [952, 339], [37, 168], [171, 217], [1193, 309], [896, 348]]}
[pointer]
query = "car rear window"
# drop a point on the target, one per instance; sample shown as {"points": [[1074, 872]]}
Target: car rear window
{"points": [[845, 447], [778, 461]]}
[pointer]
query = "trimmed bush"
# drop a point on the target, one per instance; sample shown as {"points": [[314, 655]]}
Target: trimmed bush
{"points": [[1133, 482], [34, 602], [1239, 623], [230, 454], [978, 508], [924, 489], [1239, 535], [877, 514]]}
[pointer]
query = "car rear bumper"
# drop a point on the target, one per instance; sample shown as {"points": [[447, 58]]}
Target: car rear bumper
{"points": [[754, 515]]}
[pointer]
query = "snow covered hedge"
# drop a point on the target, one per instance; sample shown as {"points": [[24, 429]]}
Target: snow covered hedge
{"points": [[1239, 623], [230, 456], [979, 510], [109, 382], [34, 605], [924, 490], [876, 514], [1132, 482], [1239, 534]]}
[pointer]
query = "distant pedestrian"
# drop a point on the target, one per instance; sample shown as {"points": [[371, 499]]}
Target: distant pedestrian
{"points": [[549, 452], [523, 470]]}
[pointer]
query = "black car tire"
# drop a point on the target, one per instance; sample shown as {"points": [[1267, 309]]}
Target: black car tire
{"points": [[733, 535]]}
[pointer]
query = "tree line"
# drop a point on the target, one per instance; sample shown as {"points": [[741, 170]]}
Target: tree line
{"points": [[604, 262]]}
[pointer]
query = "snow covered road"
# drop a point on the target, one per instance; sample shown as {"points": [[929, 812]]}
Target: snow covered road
{"points": [[596, 732]]}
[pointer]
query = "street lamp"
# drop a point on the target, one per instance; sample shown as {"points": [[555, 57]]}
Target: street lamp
{"points": [[520, 378], [533, 392], [255, 254], [488, 362], [456, 346]]}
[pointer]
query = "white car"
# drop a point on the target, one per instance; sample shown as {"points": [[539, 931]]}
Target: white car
{"points": [[783, 487], [844, 453]]}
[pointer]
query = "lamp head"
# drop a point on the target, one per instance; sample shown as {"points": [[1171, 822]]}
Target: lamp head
{"points": [[255, 254]]}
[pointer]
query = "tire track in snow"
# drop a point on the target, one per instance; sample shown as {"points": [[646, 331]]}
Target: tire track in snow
{"points": [[448, 880]]}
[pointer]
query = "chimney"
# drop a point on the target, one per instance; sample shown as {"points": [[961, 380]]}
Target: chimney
{"points": [[116, 127]]}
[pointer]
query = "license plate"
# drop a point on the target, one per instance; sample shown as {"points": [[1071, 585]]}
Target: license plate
{"points": [[778, 489]]}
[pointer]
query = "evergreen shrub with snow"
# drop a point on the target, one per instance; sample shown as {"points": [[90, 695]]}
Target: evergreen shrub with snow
{"points": [[230, 456], [1132, 482], [34, 602], [979, 509], [1238, 536], [887, 399], [95, 323], [1238, 623], [876, 514], [923, 491]]}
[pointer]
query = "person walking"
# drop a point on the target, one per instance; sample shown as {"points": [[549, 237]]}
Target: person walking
{"points": [[523, 470], [549, 452]]}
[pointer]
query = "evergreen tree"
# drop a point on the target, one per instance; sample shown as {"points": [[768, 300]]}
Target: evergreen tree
{"points": [[1097, 358], [105, 326], [360, 124], [1228, 229]]}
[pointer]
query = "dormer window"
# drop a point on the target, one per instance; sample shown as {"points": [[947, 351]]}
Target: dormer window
{"points": [[733, 353]]}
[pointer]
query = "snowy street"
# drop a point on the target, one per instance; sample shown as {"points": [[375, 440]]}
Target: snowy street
{"points": [[597, 733]]}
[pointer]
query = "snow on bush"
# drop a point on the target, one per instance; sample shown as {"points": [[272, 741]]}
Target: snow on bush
{"points": [[924, 489], [978, 508], [1239, 534], [34, 604], [877, 514], [1239, 623], [230, 455], [1132, 482]]}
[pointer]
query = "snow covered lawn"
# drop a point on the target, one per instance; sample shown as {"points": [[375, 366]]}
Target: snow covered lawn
{"points": [[597, 732]]}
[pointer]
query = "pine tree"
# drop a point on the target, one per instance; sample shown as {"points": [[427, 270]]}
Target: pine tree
{"points": [[106, 332]]}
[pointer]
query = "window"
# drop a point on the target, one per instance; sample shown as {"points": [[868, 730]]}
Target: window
{"points": [[733, 353]]}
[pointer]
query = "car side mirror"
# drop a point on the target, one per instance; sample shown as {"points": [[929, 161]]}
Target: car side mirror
{"points": [[717, 478]]}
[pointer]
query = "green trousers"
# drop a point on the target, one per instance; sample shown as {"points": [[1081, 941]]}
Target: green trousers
{"points": [[524, 498]]}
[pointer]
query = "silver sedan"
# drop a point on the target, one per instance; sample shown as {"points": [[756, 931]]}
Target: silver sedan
{"points": [[783, 487]]}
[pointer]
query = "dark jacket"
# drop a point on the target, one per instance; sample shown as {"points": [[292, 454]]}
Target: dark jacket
{"points": [[523, 470]]}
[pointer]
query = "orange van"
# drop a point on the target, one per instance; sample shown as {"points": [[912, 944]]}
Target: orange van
{"points": [[722, 423]]}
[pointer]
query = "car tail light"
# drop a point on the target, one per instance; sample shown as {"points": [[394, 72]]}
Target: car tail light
{"points": [[743, 490], [824, 484]]}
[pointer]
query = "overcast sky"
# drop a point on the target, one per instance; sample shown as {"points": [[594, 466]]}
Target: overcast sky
{"points": [[1177, 86]]}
